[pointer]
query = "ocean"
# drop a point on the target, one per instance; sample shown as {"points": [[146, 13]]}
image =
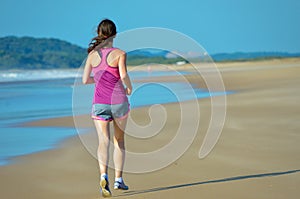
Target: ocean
{"points": [[40, 94]]}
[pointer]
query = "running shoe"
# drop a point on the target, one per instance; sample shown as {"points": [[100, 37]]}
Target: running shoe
{"points": [[120, 185], [104, 188]]}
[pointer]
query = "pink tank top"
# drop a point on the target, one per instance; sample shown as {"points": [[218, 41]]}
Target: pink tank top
{"points": [[109, 88]]}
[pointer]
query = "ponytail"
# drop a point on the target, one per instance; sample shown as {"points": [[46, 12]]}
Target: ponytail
{"points": [[106, 29], [95, 42]]}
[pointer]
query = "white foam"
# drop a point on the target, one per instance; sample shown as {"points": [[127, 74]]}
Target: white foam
{"points": [[29, 75]]}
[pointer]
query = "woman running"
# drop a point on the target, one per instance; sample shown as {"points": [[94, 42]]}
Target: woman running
{"points": [[110, 102]]}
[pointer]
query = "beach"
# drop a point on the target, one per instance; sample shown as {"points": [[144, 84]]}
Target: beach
{"points": [[256, 156]]}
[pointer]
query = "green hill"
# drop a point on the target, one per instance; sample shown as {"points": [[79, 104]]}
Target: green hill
{"points": [[39, 53], [47, 53]]}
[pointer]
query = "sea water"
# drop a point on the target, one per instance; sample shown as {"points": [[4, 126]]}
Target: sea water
{"points": [[24, 101], [40, 94]]}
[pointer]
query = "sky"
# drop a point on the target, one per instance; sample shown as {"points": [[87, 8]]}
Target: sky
{"points": [[220, 26]]}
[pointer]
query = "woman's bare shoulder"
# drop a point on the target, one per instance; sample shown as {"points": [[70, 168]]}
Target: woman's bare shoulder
{"points": [[92, 53], [119, 52], [94, 58]]}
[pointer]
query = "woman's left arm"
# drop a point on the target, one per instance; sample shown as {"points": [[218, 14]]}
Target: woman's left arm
{"points": [[86, 77]]}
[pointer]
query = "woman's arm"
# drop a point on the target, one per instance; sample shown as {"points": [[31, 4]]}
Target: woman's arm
{"points": [[123, 73], [86, 77]]}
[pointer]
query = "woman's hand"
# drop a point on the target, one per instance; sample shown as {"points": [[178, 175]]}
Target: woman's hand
{"points": [[128, 91]]}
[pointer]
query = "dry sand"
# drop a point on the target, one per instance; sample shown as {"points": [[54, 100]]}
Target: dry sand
{"points": [[257, 155]]}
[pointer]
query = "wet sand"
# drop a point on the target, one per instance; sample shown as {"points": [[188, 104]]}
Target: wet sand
{"points": [[257, 154]]}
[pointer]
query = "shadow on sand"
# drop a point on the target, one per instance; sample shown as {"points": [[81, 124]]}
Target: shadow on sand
{"points": [[262, 175]]}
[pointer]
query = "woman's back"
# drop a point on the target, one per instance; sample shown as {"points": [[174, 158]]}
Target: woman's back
{"points": [[109, 88]]}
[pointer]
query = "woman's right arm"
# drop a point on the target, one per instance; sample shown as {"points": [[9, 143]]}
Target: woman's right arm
{"points": [[86, 77], [123, 73]]}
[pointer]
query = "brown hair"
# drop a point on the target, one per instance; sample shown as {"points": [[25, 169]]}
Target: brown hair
{"points": [[106, 29]]}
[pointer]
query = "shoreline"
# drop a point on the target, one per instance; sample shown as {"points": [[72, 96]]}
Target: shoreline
{"points": [[252, 151], [56, 121]]}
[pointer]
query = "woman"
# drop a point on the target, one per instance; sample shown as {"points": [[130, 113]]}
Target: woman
{"points": [[110, 103]]}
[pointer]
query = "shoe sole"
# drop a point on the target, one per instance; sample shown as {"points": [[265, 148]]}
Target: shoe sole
{"points": [[105, 192], [116, 188]]}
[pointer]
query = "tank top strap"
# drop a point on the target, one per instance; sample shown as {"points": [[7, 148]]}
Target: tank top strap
{"points": [[104, 52]]}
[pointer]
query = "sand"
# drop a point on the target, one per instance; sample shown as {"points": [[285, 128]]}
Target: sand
{"points": [[256, 156]]}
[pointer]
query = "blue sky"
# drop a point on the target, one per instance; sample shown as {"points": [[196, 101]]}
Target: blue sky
{"points": [[217, 25]]}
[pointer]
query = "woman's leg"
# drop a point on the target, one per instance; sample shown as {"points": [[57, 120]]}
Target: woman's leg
{"points": [[102, 128], [103, 153], [119, 146]]}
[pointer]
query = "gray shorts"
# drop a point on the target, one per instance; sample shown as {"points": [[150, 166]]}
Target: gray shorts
{"points": [[108, 112]]}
